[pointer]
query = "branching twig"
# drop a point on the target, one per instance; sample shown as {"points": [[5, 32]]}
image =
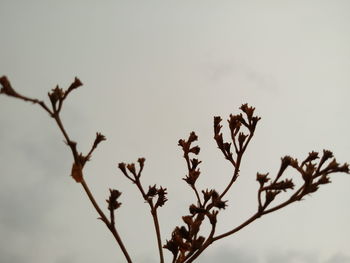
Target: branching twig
{"points": [[186, 242], [58, 96], [149, 197]]}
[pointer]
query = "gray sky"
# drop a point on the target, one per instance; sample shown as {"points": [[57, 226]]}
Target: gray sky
{"points": [[153, 71]]}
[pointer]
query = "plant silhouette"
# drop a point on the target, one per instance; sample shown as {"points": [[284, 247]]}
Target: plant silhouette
{"points": [[187, 242]]}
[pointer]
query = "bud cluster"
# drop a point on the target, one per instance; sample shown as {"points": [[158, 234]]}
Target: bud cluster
{"points": [[130, 172], [112, 201], [58, 95], [239, 139], [192, 163], [312, 173]]}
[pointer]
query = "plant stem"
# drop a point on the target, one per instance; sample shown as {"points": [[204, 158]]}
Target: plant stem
{"points": [[103, 217], [159, 240], [154, 216]]}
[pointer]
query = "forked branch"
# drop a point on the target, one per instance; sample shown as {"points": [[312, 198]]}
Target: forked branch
{"points": [[187, 242], [57, 97]]}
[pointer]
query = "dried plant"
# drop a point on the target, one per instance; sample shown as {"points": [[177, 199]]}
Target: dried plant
{"points": [[187, 242]]}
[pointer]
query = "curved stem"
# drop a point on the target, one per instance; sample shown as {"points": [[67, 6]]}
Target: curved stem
{"points": [[247, 222], [234, 176]]}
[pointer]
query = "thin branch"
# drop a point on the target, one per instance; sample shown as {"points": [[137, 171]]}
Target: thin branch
{"points": [[148, 198], [234, 176], [159, 238], [244, 224], [54, 113]]}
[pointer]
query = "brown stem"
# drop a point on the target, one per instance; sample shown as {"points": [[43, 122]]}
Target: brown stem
{"points": [[234, 176], [154, 216], [237, 164], [293, 198], [103, 217], [244, 224], [54, 113], [70, 143], [159, 240], [197, 195]]}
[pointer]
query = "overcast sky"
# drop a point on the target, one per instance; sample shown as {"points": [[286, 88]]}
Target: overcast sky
{"points": [[153, 71]]}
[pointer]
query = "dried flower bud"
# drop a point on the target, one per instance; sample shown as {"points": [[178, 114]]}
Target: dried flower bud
{"points": [[196, 210], [270, 196], [312, 156], [207, 195], [192, 177], [241, 139], [294, 163], [285, 162], [122, 167], [195, 162], [172, 246], [76, 84], [217, 126], [161, 192], [333, 165], [182, 143], [131, 168], [282, 185], [220, 204], [141, 161], [249, 111], [113, 204], [77, 172], [309, 171], [195, 227], [344, 168], [324, 180], [193, 137], [99, 138], [254, 122], [212, 217], [219, 141], [234, 123], [216, 201], [195, 150], [188, 220], [6, 87], [327, 154], [56, 95], [214, 194], [152, 191], [184, 233], [227, 147], [262, 178]]}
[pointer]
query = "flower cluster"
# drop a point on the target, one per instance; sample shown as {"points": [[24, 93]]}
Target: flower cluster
{"points": [[313, 173], [58, 95], [192, 164], [239, 139], [129, 170], [112, 201]]}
